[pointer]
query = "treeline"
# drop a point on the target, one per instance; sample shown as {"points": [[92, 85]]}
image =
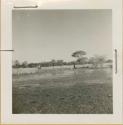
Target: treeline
{"points": [[96, 61], [25, 64]]}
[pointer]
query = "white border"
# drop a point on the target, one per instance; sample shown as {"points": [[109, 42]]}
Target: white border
{"points": [[6, 62]]}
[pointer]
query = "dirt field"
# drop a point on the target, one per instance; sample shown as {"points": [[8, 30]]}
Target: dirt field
{"points": [[63, 91]]}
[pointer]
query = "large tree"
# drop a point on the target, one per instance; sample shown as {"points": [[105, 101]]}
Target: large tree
{"points": [[78, 55]]}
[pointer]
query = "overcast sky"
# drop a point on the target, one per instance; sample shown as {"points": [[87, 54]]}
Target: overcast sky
{"points": [[43, 35]]}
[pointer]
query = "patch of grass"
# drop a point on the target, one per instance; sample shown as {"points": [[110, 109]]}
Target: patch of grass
{"points": [[80, 92]]}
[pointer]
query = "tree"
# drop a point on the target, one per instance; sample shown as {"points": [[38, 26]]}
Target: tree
{"points": [[83, 60], [101, 60], [60, 62], [97, 61], [24, 64], [109, 61], [31, 65], [53, 62], [16, 64], [79, 55], [93, 61]]}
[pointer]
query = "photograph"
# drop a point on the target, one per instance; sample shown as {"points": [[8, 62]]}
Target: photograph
{"points": [[62, 61]]}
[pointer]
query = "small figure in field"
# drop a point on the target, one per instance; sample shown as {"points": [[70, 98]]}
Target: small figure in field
{"points": [[39, 67]]}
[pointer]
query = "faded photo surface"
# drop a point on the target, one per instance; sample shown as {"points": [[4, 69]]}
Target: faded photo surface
{"points": [[62, 62]]}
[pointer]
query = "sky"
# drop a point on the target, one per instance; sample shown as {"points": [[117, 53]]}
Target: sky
{"points": [[43, 35]]}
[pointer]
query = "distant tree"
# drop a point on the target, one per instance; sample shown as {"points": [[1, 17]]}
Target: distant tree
{"points": [[16, 64], [53, 62], [109, 61], [97, 61], [31, 65], [25, 64], [60, 62], [93, 62], [83, 60], [79, 55], [101, 60]]}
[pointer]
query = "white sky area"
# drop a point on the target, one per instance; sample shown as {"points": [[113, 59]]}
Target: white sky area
{"points": [[43, 35]]}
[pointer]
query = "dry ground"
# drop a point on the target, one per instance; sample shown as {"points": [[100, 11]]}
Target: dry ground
{"points": [[63, 91]]}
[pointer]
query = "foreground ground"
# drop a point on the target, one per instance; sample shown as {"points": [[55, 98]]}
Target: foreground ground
{"points": [[63, 91]]}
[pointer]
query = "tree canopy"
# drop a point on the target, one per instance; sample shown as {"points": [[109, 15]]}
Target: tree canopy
{"points": [[79, 54]]}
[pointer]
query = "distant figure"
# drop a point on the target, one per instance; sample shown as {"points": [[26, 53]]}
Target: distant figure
{"points": [[39, 67]]}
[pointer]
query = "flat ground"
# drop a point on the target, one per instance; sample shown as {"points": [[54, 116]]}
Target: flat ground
{"points": [[63, 91]]}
